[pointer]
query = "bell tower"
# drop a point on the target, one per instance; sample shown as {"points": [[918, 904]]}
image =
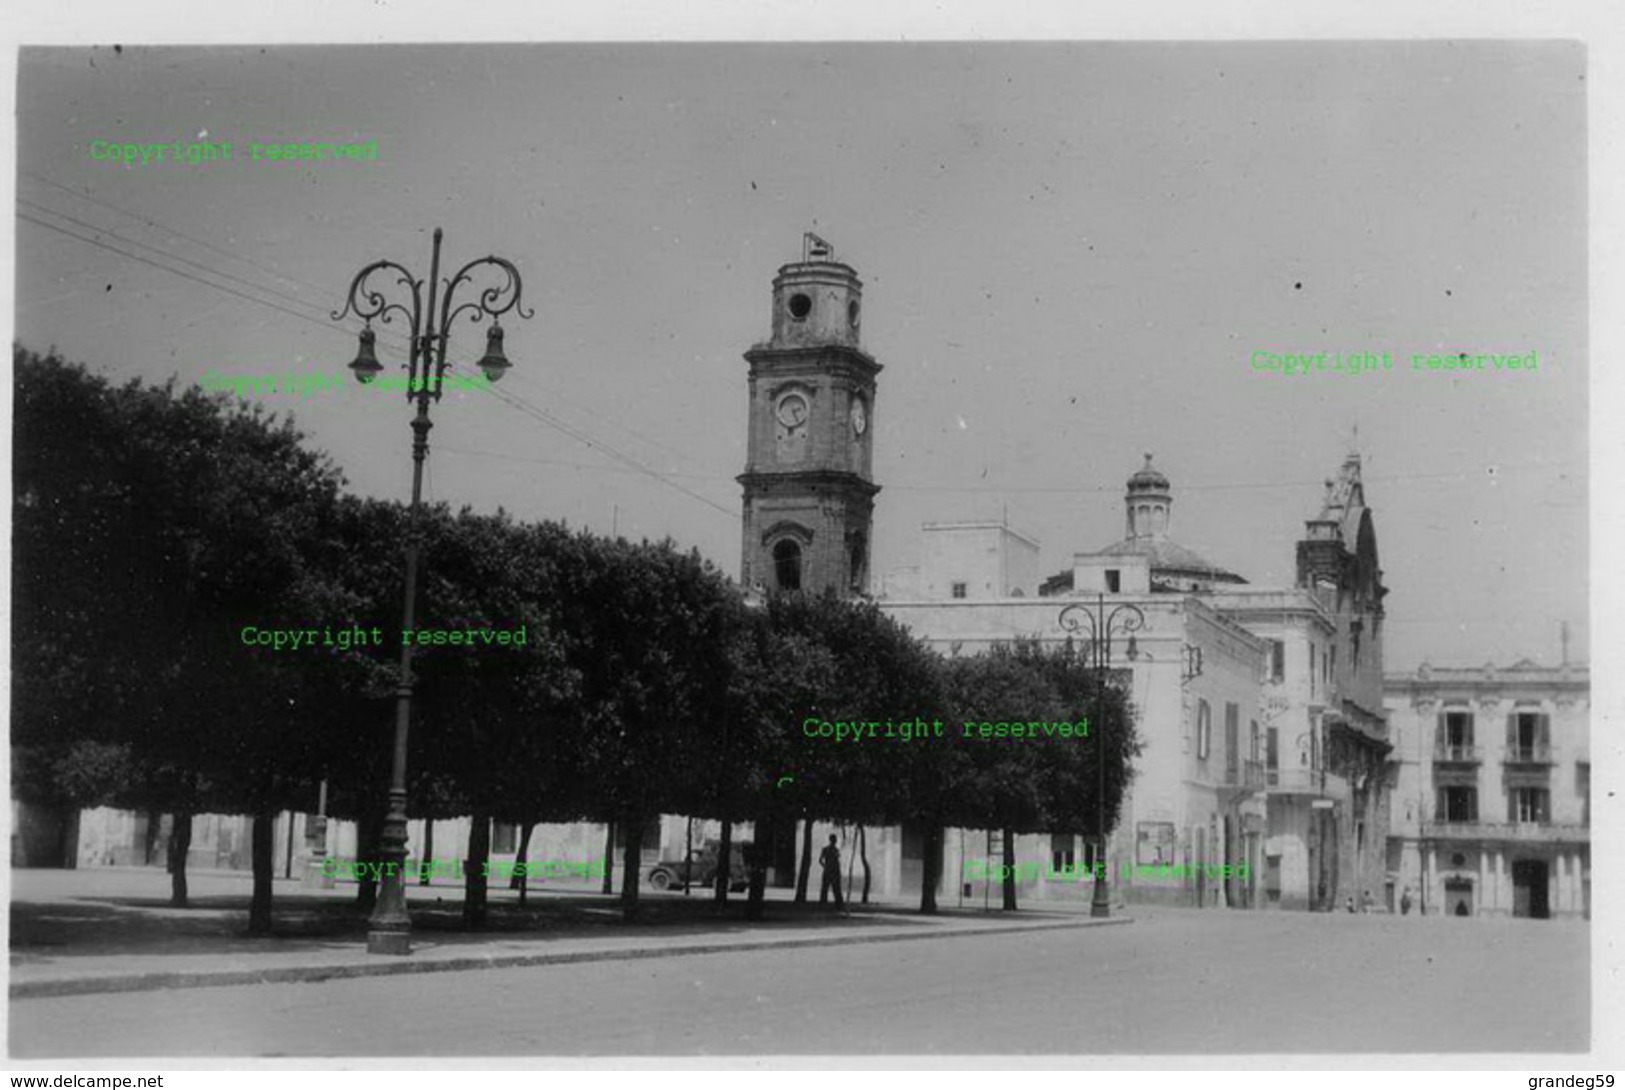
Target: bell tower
{"points": [[809, 496]]}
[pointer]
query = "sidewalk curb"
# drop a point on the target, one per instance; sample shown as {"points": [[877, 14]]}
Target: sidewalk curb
{"points": [[139, 982]]}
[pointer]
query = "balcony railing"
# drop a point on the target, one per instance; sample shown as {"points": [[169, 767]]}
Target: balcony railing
{"points": [[1528, 755], [1456, 754], [1248, 774], [1525, 831], [1298, 780]]}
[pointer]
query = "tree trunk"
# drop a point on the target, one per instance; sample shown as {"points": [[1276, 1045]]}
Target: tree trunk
{"points": [[289, 872], [474, 871], [426, 861], [928, 880], [756, 859], [630, 868], [264, 849], [524, 856], [517, 879], [609, 858], [846, 842], [180, 846], [369, 830], [805, 868], [688, 858], [863, 847], [1009, 837], [155, 823], [725, 853], [67, 846]]}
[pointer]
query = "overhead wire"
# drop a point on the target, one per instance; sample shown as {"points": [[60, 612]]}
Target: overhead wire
{"points": [[1225, 485], [1065, 489], [173, 257], [384, 335], [520, 404], [513, 400], [176, 272], [543, 415], [162, 226]]}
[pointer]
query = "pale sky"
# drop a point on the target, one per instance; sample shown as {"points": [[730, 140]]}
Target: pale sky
{"points": [[1070, 253]]}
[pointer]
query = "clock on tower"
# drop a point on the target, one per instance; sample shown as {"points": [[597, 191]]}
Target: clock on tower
{"points": [[809, 496]]}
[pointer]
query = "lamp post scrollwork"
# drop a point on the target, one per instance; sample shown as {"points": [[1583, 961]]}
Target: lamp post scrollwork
{"points": [[389, 927]]}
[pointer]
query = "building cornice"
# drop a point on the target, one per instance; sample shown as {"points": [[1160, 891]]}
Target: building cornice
{"points": [[762, 355], [1464, 683], [794, 479]]}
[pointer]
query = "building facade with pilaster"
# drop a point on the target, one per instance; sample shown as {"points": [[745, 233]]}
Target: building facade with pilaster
{"points": [[1491, 769]]}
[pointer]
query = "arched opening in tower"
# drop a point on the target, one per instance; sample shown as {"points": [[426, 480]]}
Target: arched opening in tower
{"points": [[787, 565]]}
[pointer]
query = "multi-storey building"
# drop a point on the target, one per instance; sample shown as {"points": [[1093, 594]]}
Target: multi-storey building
{"points": [[1327, 740], [1260, 708], [1193, 677], [1491, 775], [1302, 798]]}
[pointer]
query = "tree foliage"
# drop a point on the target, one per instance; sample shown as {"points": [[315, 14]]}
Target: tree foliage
{"points": [[152, 526]]}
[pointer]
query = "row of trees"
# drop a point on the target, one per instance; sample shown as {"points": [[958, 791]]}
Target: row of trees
{"points": [[151, 524]]}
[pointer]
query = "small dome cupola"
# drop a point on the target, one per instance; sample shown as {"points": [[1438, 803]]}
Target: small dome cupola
{"points": [[1149, 501]]}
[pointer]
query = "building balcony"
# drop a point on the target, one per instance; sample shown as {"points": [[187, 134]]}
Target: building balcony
{"points": [[1246, 775], [1528, 755], [1456, 755], [1524, 832], [1294, 781]]}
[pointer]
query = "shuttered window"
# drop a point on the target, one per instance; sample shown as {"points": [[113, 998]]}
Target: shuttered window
{"points": [[1529, 804], [1529, 735], [1232, 740], [1456, 804]]}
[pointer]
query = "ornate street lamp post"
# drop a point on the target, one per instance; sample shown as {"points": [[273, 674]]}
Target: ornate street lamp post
{"points": [[389, 930], [1123, 620]]}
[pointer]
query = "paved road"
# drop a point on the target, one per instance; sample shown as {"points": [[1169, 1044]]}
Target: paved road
{"points": [[1172, 982]]}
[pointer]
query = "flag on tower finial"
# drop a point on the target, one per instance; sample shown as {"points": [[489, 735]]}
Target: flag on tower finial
{"points": [[813, 247]]}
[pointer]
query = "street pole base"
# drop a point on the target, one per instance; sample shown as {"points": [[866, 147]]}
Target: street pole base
{"points": [[397, 943], [1100, 907]]}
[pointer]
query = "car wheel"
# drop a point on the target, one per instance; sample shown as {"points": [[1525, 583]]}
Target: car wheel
{"points": [[660, 879]]}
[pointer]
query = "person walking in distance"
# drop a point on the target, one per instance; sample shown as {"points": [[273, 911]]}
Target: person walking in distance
{"points": [[830, 860]]}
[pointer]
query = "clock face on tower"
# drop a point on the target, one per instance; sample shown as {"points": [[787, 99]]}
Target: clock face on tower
{"points": [[792, 410], [860, 417]]}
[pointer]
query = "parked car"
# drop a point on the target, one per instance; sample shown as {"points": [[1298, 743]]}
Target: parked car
{"points": [[676, 873]]}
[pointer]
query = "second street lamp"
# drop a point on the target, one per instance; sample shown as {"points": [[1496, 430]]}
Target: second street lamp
{"points": [[389, 930], [1124, 619]]}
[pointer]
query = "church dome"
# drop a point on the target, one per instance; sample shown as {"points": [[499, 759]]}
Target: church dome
{"points": [[1173, 566], [1149, 505]]}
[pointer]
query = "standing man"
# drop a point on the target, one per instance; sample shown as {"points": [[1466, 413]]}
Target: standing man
{"points": [[830, 860]]}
